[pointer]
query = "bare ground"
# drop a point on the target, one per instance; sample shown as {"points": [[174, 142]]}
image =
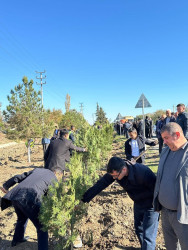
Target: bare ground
{"points": [[108, 223]]}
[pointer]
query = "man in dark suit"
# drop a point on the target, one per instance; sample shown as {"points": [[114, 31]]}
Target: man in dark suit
{"points": [[26, 199], [140, 127], [58, 151]]}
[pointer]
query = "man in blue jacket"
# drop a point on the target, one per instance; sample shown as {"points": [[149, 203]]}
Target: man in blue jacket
{"points": [[139, 182], [26, 199]]}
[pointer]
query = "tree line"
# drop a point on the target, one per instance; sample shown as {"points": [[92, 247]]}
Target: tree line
{"points": [[26, 118]]}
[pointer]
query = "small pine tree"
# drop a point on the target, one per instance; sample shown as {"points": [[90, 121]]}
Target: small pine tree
{"points": [[100, 116], [58, 213], [24, 112], [24, 115], [72, 118]]}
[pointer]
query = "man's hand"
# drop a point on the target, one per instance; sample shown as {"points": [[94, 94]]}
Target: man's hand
{"points": [[133, 161], [156, 142], [3, 190]]}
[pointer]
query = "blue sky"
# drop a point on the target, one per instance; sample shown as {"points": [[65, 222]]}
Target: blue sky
{"points": [[102, 51]]}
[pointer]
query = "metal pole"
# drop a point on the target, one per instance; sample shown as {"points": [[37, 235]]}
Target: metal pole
{"points": [[41, 89], [143, 116], [41, 83]]}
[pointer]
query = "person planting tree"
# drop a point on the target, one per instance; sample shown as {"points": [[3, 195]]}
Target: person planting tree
{"points": [[139, 182]]}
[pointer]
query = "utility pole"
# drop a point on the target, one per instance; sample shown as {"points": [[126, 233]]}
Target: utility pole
{"points": [[41, 83], [81, 108]]}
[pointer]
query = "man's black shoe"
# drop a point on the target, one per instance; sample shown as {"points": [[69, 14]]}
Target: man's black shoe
{"points": [[15, 243]]}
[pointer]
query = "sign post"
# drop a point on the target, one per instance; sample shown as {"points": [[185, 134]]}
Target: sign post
{"points": [[143, 103]]}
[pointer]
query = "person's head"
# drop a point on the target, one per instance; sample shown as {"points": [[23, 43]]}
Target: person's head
{"points": [[163, 116], [173, 136], [72, 127], [58, 172], [64, 133], [147, 117], [176, 114], [117, 168], [132, 133], [180, 108], [168, 113]]}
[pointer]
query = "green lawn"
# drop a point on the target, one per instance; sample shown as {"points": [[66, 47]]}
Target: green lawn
{"points": [[152, 154], [152, 158]]}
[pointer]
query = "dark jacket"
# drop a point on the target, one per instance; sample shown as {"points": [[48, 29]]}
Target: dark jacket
{"points": [[172, 119], [141, 145], [140, 128], [32, 186], [56, 132], [72, 136], [139, 185], [160, 124], [58, 153], [182, 120]]}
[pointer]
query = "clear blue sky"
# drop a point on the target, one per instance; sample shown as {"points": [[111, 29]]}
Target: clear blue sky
{"points": [[102, 51]]}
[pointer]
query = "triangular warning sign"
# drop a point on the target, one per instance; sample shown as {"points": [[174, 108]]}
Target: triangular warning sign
{"points": [[143, 102]]}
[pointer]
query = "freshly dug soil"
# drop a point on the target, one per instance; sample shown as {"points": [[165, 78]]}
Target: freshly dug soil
{"points": [[108, 223]]}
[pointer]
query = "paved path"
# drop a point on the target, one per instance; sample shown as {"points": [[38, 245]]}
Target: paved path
{"points": [[8, 144]]}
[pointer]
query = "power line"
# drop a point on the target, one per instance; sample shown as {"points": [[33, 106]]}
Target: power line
{"points": [[41, 83], [11, 41]]}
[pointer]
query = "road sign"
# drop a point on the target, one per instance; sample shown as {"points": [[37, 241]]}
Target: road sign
{"points": [[143, 102]]}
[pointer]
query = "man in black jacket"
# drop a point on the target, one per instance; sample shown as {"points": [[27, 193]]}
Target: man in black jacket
{"points": [[58, 151], [140, 127], [182, 119], [26, 199], [139, 182], [136, 146]]}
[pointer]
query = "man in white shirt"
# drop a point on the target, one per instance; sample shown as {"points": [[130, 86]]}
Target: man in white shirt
{"points": [[136, 145]]}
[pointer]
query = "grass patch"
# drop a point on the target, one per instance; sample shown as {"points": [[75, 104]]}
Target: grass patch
{"points": [[152, 158], [119, 138]]}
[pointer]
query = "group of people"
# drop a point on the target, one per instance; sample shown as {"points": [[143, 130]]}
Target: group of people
{"points": [[26, 197], [165, 193], [180, 117], [122, 128]]}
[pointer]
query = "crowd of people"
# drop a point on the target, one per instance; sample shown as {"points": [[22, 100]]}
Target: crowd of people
{"points": [[165, 193]]}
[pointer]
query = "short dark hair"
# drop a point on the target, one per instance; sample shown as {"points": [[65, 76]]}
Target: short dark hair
{"points": [[171, 128], [132, 130], [115, 164], [181, 105], [72, 126], [63, 132]]}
